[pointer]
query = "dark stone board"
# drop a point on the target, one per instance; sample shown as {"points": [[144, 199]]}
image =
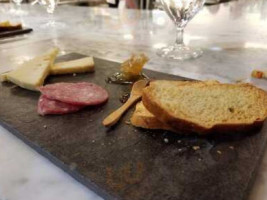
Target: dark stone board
{"points": [[130, 163], [15, 32]]}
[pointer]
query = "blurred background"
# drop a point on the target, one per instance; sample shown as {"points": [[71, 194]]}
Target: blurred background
{"points": [[131, 4]]}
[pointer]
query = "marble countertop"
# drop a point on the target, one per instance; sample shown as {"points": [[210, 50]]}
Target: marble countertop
{"points": [[232, 35]]}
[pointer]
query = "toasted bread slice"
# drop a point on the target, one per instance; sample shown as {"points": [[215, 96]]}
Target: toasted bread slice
{"points": [[206, 107], [144, 119]]}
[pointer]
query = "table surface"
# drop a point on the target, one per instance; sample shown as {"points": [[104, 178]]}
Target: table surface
{"points": [[233, 36]]}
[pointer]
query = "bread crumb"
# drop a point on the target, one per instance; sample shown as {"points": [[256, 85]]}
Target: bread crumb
{"points": [[179, 141], [219, 152], [74, 74], [45, 127], [166, 140], [196, 148], [257, 74], [199, 159], [73, 166], [127, 122], [93, 141], [231, 147]]}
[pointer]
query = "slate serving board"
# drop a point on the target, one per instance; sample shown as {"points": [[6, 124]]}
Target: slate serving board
{"points": [[4, 34], [129, 163]]}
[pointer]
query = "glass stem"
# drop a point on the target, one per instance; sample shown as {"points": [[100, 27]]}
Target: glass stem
{"points": [[179, 37], [51, 19]]}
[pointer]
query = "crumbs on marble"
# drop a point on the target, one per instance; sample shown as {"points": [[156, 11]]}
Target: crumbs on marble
{"points": [[128, 122], [259, 74]]}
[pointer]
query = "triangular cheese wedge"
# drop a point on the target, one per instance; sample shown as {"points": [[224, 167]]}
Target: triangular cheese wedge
{"points": [[31, 74], [74, 66]]}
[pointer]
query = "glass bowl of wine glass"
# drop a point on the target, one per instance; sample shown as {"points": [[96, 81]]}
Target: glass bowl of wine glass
{"points": [[180, 12], [50, 6]]}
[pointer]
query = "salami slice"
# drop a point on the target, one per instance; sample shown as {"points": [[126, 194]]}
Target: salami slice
{"points": [[83, 93], [47, 106]]}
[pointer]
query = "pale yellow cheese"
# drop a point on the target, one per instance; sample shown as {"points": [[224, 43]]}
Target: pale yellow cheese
{"points": [[31, 74], [3, 77], [74, 66]]}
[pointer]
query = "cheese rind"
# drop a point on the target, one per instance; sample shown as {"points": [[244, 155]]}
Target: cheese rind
{"points": [[31, 74], [3, 77], [74, 66]]}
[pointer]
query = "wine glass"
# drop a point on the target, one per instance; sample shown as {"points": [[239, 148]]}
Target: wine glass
{"points": [[180, 12], [50, 6], [17, 11]]}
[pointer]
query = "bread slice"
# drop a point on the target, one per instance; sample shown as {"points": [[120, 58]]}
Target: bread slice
{"points": [[206, 107], [144, 119]]}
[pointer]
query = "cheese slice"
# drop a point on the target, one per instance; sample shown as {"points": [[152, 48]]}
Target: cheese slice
{"points": [[74, 66], [31, 74], [3, 77]]}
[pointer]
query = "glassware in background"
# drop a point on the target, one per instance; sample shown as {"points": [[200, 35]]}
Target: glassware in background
{"points": [[180, 12], [50, 6], [17, 9], [212, 2]]}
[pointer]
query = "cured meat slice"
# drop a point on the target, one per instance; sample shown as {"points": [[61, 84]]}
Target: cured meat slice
{"points": [[82, 93], [47, 106]]}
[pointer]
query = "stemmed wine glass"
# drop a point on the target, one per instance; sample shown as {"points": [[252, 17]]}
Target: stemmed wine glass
{"points": [[50, 6], [17, 11], [180, 12]]}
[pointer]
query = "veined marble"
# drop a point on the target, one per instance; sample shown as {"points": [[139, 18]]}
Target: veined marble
{"points": [[232, 35]]}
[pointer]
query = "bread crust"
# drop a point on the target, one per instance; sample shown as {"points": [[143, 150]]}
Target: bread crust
{"points": [[182, 125], [148, 122]]}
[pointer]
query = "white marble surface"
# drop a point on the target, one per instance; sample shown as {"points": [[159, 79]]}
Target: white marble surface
{"points": [[25, 175], [233, 36]]}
